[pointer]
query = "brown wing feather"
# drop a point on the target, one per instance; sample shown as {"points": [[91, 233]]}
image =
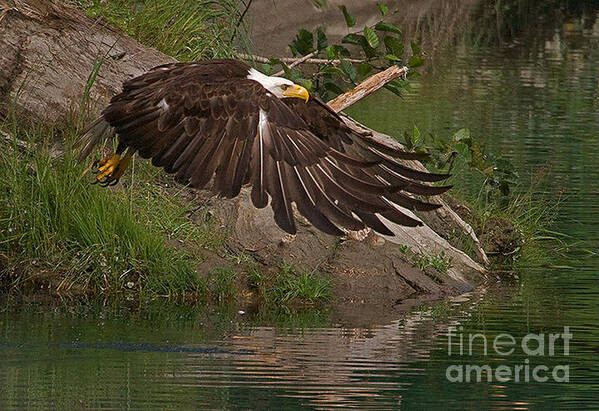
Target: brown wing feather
{"points": [[327, 125], [204, 121]]}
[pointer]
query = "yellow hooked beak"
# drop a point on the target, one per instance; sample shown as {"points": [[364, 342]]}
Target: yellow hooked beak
{"points": [[297, 91]]}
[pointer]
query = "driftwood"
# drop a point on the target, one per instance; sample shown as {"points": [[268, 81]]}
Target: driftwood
{"points": [[48, 53], [368, 86]]}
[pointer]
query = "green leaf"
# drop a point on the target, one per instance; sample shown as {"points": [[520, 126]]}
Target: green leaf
{"points": [[353, 38], [320, 4], [332, 70], [364, 69], [305, 36], [350, 20], [415, 48], [332, 87], [463, 151], [307, 84], [321, 39], [331, 52], [335, 51], [371, 37], [461, 134], [349, 69], [293, 74], [395, 88], [388, 27], [369, 51], [415, 135], [392, 57], [439, 143], [360, 41], [415, 61], [275, 61], [393, 45], [407, 139], [266, 68], [383, 9], [303, 43]]}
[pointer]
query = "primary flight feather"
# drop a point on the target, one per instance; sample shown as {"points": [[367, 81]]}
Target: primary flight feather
{"points": [[225, 122]]}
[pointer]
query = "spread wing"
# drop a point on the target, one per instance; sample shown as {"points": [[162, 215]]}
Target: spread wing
{"points": [[235, 132], [330, 127]]}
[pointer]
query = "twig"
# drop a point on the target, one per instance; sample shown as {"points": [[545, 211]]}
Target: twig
{"points": [[262, 59], [480, 252], [247, 7], [297, 62], [368, 86]]}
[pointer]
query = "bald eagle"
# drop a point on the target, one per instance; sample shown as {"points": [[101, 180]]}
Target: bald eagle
{"points": [[225, 122]]}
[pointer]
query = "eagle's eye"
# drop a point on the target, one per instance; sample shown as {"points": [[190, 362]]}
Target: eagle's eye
{"points": [[284, 87]]}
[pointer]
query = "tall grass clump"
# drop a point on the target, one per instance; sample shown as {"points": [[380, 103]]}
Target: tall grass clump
{"points": [[94, 238], [531, 218], [288, 286], [185, 29]]}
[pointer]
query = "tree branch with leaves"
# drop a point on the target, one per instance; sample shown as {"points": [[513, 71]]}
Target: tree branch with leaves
{"points": [[339, 67]]}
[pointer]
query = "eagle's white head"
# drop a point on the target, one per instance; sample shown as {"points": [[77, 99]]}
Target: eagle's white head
{"points": [[278, 86]]}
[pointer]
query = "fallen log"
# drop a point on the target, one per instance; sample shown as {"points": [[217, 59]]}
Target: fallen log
{"points": [[51, 50]]}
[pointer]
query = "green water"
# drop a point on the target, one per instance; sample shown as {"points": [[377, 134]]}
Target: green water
{"points": [[536, 102]]}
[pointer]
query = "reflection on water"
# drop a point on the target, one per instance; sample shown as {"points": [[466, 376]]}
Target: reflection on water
{"points": [[94, 355], [534, 101]]}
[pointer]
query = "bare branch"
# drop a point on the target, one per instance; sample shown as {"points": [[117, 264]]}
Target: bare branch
{"points": [[480, 252], [368, 86], [247, 7], [297, 60]]}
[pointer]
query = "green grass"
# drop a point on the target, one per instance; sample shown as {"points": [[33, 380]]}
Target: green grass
{"points": [[532, 218], [138, 237], [440, 262], [288, 286], [185, 29], [222, 283], [133, 238]]}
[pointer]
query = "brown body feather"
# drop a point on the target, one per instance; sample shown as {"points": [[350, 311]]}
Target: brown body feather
{"points": [[207, 121]]}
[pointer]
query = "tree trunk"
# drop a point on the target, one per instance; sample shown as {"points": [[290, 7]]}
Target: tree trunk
{"points": [[49, 51]]}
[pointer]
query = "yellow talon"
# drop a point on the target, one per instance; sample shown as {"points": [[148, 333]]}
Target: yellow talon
{"points": [[101, 162], [110, 170], [108, 166]]}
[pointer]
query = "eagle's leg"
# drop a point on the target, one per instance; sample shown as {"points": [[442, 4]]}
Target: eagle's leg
{"points": [[110, 170]]}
